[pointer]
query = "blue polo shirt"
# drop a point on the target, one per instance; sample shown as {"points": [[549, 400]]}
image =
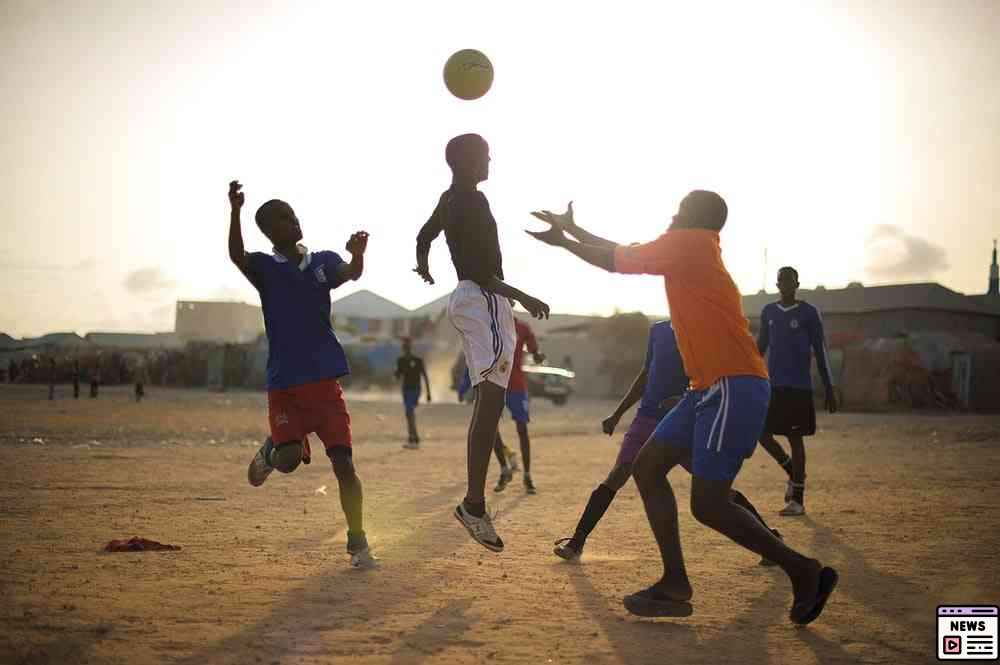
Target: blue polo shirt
{"points": [[790, 336], [302, 347], [665, 375]]}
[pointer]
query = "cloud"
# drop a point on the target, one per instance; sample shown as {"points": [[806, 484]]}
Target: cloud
{"points": [[894, 254], [146, 281]]}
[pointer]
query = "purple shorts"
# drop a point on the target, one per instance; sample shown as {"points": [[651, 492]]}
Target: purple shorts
{"points": [[635, 438]]}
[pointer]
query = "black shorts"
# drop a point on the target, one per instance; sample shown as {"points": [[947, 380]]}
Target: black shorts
{"points": [[791, 412]]}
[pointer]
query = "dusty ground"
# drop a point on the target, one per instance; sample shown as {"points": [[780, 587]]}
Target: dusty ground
{"points": [[905, 507]]}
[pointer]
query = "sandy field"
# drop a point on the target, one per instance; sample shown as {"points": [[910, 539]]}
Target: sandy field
{"points": [[905, 506]]}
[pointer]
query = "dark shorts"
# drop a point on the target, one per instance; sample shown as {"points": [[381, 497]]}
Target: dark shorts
{"points": [[411, 397], [791, 413], [517, 404]]}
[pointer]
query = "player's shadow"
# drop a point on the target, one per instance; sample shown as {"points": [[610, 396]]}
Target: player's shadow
{"points": [[297, 624], [441, 630], [879, 592]]}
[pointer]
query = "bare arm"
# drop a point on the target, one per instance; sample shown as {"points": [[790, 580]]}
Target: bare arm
{"points": [[535, 307], [237, 253], [356, 246], [428, 232], [567, 223], [633, 395], [764, 336], [596, 255]]}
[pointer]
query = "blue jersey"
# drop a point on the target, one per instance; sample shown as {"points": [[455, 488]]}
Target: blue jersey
{"points": [[302, 347], [789, 336], [664, 370]]}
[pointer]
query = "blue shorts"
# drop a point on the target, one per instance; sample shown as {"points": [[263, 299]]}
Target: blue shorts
{"points": [[410, 398], [720, 426], [517, 403]]}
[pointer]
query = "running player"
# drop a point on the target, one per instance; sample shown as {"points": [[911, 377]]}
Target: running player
{"points": [[718, 421], [790, 332], [410, 369], [517, 404], [480, 308], [658, 387], [304, 359]]}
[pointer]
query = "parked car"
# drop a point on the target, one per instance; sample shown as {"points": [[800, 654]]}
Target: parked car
{"points": [[554, 383]]}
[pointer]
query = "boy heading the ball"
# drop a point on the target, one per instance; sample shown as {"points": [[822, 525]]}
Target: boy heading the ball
{"points": [[717, 422], [304, 359], [480, 308]]}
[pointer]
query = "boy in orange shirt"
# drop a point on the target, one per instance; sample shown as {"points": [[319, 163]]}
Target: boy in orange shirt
{"points": [[716, 424]]}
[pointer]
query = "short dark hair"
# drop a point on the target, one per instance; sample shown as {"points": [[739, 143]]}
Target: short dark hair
{"points": [[461, 148], [704, 209], [788, 270], [268, 211]]}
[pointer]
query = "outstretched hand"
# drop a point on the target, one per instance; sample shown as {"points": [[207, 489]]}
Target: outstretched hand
{"points": [[564, 221], [535, 307], [552, 236], [235, 195]]}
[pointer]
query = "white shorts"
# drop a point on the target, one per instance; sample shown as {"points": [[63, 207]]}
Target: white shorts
{"points": [[485, 322]]}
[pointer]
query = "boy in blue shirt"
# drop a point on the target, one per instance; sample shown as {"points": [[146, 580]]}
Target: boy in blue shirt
{"points": [[305, 358], [657, 388], [791, 331]]}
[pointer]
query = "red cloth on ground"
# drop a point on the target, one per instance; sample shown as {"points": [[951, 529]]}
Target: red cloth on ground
{"points": [[138, 545]]}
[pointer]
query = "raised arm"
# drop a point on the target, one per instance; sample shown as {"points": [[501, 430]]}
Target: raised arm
{"points": [[356, 246], [601, 256], [237, 253], [567, 222]]}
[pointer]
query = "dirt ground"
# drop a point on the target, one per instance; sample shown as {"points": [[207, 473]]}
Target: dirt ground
{"points": [[906, 506]]}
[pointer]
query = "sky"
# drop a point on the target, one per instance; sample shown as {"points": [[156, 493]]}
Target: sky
{"points": [[854, 140]]}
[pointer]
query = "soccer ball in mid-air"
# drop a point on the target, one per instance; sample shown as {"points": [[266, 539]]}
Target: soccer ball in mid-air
{"points": [[468, 74]]}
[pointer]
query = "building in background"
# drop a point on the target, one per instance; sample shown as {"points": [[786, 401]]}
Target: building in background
{"points": [[224, 322]]}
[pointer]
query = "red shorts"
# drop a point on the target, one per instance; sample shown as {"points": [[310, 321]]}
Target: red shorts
{"points": [[312, 407]]}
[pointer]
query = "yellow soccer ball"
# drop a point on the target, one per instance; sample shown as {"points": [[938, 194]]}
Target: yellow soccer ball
{"points": [[468, 74]]}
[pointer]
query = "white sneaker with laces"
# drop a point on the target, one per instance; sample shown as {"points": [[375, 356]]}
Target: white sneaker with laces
{"points": [[480, 528], [792, 509], [364, 559]]}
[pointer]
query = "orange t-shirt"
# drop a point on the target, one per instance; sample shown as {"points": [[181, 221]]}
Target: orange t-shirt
{"points": [[706, 310]]}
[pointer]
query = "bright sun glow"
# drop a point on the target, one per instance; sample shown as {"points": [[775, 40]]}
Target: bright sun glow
{"points": [[126, 126]]}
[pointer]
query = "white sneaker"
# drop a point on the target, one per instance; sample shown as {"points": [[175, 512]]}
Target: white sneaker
{"points": [[792, 509], [364, 559], [259, 469], [412, 445], [480, 528]]}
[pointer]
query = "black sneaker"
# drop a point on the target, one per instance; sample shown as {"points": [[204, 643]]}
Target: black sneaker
{"points": [[568, 549], [529, 485]]}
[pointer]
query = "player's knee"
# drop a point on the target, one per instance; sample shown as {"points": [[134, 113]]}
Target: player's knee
{"points": [[706, 508], [286, 457], [343, 462], [646, 471]]}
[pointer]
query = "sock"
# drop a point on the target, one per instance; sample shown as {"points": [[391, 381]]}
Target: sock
{"points": [[598, 504], [477, 509], [799, 492]]}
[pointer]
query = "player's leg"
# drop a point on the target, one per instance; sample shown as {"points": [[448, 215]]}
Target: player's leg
{"points": [[728, 424], [797, 485], [517, 404], [774, 449], [410, 399], [328, 416], [669, 445], [284, 415], [600, 500], [485, 323], [506, 473], [741, 500], [602, 496]]}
